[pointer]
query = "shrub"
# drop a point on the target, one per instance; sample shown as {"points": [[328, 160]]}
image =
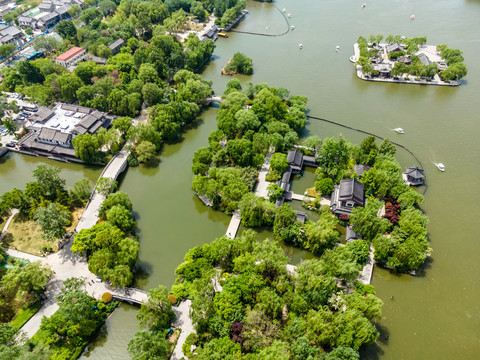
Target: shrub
{"points": [[107, 297]]}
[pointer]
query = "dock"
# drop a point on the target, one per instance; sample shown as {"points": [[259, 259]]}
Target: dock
{"points": [[234, 225], [236, 21]]}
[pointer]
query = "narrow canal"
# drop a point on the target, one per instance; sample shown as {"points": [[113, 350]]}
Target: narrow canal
{"points": [[435, 315]]}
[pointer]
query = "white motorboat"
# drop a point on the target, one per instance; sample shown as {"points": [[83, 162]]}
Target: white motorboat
{"points": [[337, 48], [412, 17], [353, 59], [399, 130], [292, 27], [363, 5], [289, 15], [300, 46], [440, 166], [284, 10]]}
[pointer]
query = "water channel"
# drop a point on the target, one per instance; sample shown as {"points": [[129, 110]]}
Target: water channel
{"points": [[434, 315]]}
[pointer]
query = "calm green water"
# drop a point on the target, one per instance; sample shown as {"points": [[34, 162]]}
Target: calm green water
{"points": [[435, 315], [16, 170]]}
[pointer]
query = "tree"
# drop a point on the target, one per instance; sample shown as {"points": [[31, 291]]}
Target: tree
{"points": [[105, 185], [52, 220], [313, 142], [365, 220], [156, 313], [74, 322], [49, 178], [241, 64], [149, 345], [324, 186], [28, 31], [69, 84], [220, 349], [274, 192], [152, 94], [344, 353], [66, 29], [387, 148], [86, 147], [334, 157], [81, 192], [147, 73], [74, 10], [145, 151], [120, 217], [117, 198], [246, 120], [7, 49], [10, 125], [279, 162], [323, 233], [122, 124], [107, 7]]}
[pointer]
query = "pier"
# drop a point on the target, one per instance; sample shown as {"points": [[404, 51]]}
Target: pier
{"points": [[234, 225], [237, 19]]}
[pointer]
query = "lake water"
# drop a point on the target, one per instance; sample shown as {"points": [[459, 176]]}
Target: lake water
{"points": [[434, 315]]}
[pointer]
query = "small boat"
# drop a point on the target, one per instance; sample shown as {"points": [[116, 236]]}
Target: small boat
{"points": [[412, 17], [353, 59], [222, 34], [300, 46], [292, 27], [289, 15], [337, 47], [399, 130], [363, 5], [284, 10], [440, 166]]}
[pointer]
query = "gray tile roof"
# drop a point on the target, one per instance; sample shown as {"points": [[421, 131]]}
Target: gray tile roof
{"points": [[394, 47], [424, 59], [295, 158], [42, 115], [88, 121], [116, 43], [415, 172], [351, 189]]}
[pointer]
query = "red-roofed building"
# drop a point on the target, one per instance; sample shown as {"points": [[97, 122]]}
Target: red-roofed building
{"points": [[71, 57]]}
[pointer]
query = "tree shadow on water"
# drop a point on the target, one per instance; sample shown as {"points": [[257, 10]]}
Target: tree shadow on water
{"points": [[375, 351]]}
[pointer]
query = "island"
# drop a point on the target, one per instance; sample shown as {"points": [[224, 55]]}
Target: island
{"points": [[407, 61]]}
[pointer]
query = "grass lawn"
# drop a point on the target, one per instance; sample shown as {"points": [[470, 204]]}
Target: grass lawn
{"points": [[26, 235], [24, 314]]}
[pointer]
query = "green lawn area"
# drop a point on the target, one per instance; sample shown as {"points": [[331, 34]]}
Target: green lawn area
{"points": [[24, 314]]}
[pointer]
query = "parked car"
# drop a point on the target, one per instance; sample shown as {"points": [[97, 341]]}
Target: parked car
{"points": [[10, 145], [20, 117], [26, 113]]}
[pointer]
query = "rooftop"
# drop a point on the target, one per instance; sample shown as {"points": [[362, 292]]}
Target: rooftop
{"points": [[70, 54]]}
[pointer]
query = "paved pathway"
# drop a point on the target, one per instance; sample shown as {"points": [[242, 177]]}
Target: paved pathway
{"points": [[234, 225], [7, 224], [367, 272], [183, 321], [262, 184]]}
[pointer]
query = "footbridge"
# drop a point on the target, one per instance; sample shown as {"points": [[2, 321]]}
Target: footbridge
{"points": [[213, 98], [113, 169]]}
